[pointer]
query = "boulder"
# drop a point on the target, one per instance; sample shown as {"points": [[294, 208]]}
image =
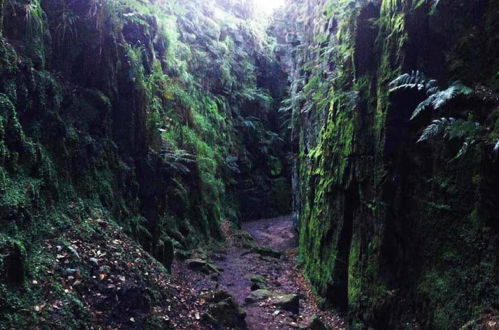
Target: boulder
{"points": [[224, 313]]}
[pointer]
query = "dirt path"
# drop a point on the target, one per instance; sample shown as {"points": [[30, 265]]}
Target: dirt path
{"points": [[278, 275], [257, 267]]}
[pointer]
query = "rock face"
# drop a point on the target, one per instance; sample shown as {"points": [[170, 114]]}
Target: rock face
{"points": [[392, 230], [160, 116]]}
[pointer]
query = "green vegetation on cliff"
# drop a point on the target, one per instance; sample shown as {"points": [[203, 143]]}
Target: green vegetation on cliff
{"points": [[160, 116], [397, 217], [142, 126]]}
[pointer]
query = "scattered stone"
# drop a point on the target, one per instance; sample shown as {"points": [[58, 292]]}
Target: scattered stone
{"points": [[94, 261]]}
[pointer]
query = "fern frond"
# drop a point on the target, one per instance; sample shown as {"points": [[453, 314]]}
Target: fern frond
{"points": [[424, 106], [455, 90], [177, 159], [437, 127], [414, 80], [438, 99]]}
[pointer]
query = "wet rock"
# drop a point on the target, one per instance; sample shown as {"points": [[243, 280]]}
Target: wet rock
{"points": [[258, 295], [288, 302], [224, 312]]}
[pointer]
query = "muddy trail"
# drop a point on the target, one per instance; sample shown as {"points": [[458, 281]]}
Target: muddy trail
{"points": [[253, 282]]}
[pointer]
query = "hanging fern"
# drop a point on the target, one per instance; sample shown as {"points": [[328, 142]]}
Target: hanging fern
{"points": [[437, 99], [451, 128], [436, 128], [177, 160], [414, 80]]}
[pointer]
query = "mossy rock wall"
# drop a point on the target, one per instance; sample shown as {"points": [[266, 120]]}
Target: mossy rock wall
{"points": [[136, 111], [392, 231]]}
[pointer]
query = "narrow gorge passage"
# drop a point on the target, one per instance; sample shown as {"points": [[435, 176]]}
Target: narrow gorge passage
{"points": [[141, 141]]}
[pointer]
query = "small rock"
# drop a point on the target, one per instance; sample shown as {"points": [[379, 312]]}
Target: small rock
{"points": [[258, 295], [288, 302]]}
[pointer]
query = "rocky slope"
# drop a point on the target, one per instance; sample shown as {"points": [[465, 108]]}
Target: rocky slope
{"points": [[396, 178]]}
